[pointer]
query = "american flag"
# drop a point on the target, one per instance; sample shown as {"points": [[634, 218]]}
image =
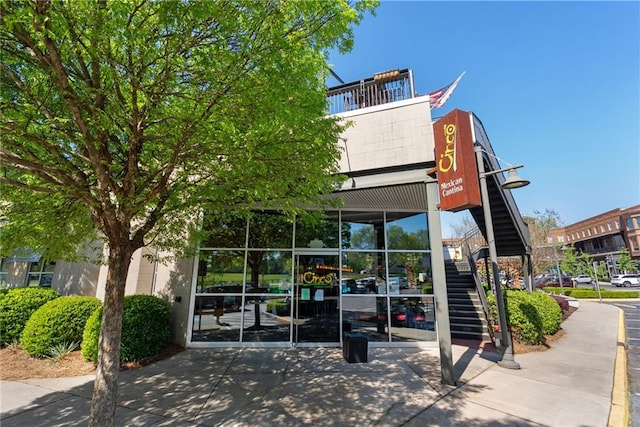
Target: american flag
{"points": [[439, 97]]}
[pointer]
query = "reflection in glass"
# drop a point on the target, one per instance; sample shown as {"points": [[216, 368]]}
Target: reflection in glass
{"points": [[408, 233], [272, 322], [366, 314], [412, 319], [218, 301], [316, 298], [363, 273], [268, 291], [220, 271], [224, 230], [276, 297], [270, 230], [314, 232], [410, 272], [216, 318], [362, 230]]}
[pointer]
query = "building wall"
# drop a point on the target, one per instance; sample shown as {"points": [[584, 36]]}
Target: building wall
{"points": [[630, 221], [604, 235], [173, 280], [76, 278], [17, 274], [389, 135]]}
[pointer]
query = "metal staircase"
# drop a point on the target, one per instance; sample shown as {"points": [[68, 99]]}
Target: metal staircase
{"points": [[466, 313]]}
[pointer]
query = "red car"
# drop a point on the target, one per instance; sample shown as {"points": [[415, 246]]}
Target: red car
{"points": [[545, 280]]}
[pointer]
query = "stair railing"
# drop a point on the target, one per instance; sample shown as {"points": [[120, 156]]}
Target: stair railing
{"points": [[474, 239]]}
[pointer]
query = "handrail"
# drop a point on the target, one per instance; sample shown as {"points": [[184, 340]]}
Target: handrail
{"points": [[466, 250], [382, 88]]}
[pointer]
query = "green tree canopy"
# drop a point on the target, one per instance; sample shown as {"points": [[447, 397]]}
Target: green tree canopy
{"points": [[544, 253], [130, 117], [625, 263]]}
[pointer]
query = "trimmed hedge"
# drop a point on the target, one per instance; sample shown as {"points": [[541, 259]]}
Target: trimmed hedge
{"points": [[16, 307], [587, 293], [530, 315], [145, 329], [57, 322]]}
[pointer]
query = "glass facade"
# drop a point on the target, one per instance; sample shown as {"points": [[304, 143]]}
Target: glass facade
{"points": [[270, 280]]}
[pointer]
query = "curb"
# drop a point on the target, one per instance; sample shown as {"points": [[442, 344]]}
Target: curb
{"points": [[619, 413]]}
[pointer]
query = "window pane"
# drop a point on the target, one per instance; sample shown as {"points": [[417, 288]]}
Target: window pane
{"points": [[410, 273], [46, 279], [362, 230], [33, 279], [268, 272], [224, 231], [267, 308], [317, 232], [366, 314], [49, 267], [270, 230], [274, 316], [217, 310], [36, 267], [408, 233], [363, 273], [220, 271], [413, 319]]}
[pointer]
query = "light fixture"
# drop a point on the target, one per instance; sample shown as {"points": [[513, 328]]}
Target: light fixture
{"points": [[514, 180]]}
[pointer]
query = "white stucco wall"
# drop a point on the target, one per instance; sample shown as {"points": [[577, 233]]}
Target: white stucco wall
{"points": [[388, 135]]}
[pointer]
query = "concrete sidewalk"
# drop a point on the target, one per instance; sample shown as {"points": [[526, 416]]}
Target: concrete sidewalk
{"points": [[569, 385]]}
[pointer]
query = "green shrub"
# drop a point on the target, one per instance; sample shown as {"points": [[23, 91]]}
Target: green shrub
{"points": [[90, 336], [524, 318], [531, 316], [549, 310], [16, 307], [279, 307], [587, 293], [145, 329], [57, 322]]}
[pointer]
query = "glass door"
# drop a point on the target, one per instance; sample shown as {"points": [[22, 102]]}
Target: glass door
{"points": [[315, 296]]}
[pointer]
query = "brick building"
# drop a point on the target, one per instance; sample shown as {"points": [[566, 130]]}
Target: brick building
{"points": [[603, 236]]}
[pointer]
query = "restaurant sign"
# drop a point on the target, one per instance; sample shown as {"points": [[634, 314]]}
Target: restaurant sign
{"points": [[456, 162]]}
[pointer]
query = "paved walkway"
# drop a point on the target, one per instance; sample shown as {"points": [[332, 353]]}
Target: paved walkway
{"points": [[572, 384]]}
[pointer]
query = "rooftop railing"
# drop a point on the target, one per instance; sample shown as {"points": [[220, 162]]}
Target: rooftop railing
{"points": [[382, 88]]}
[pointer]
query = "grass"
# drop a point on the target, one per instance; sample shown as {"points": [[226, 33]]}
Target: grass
{"points": [[587, 293]]}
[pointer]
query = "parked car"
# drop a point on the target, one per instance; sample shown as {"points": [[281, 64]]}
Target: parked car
{"points": [[625, 280], [583, 279], [369, 283], [549, 279], [400, 282], [350, 286]]}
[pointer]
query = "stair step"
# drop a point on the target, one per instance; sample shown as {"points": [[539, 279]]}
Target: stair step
{"points": [[471, 335], [467, 321], [466, 314]]}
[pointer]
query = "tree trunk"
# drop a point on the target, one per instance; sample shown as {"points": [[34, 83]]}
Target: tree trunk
{"points": [[255, 280], [104, 400]]}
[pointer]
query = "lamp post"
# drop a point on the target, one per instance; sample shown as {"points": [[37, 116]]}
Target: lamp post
{"points": [[513, 181], [558, 269]]}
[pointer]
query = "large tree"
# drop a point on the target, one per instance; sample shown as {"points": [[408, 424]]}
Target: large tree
{"points": [[544, 252], [130, 117]]}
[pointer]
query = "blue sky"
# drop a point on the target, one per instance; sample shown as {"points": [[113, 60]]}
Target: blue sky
{"points": [[556, 85]]}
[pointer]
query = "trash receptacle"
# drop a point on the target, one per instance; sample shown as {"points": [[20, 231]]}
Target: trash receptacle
{"points": [[355, 347]]}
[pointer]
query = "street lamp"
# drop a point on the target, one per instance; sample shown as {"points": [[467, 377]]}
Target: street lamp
{"points": [[512, 181]]}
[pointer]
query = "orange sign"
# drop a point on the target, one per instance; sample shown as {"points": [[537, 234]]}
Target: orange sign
{"points": [[456, 162]]}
